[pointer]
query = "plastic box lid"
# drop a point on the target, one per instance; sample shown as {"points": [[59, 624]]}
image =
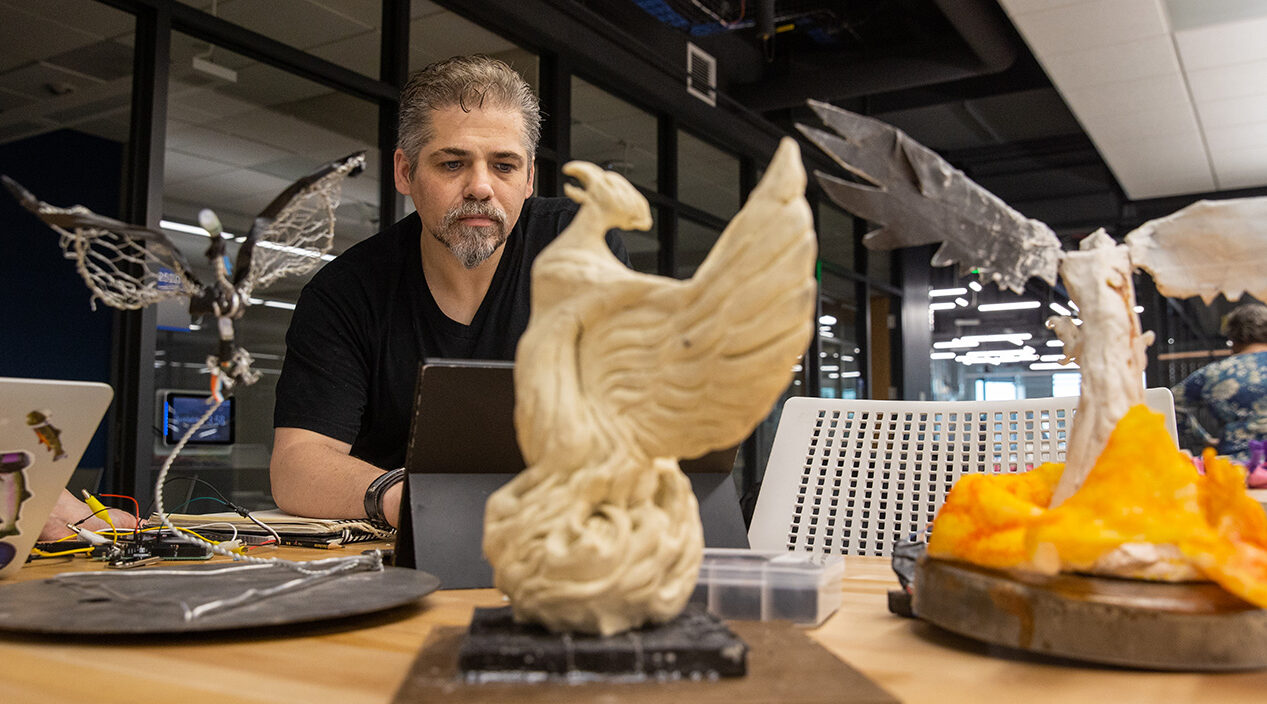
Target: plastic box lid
{"points": [[753, 585]]}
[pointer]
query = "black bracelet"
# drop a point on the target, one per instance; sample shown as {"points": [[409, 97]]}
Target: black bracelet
{"points": [[377, 489]]}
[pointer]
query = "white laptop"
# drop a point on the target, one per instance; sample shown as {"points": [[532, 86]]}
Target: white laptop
{"points": [[45, 427]]}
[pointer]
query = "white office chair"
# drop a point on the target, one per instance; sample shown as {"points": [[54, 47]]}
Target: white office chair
{"points": [[851, 477]]}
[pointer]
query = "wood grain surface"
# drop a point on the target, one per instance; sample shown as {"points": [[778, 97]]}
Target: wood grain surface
{"points": [[366, 659]]}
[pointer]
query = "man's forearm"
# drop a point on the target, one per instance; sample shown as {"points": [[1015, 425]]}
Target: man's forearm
{"points": [[315, 479]]}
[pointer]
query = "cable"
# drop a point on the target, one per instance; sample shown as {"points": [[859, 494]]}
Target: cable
{"points": [[373, 561], [135, 503]]}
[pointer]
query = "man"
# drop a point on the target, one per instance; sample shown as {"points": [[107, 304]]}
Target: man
{"points": [[449, 281], [1234, 390]]}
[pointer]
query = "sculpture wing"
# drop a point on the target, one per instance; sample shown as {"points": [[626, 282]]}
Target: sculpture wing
{"points": [[1207, 248], [918, 198], [124, 265], [289, 236], [691, 366]]}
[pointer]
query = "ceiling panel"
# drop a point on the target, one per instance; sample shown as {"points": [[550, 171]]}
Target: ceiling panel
{"points": [[1059, 29], [1221, 44], [1156, 84], [1150, 56]]}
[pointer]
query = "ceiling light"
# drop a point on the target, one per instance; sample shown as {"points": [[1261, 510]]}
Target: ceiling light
{"points": [[1018, 305], [1072, 305], [210, 68], [974, 286], [826, 320], [1055, 343], [1060, 309], [955, 344], [851, 375], [947, 292], [1047, 366], [942, 355], [961, 302], [945, 305], [830, 368], [173, 226], [1051, 357], [1139, 309], [1014, 337]]}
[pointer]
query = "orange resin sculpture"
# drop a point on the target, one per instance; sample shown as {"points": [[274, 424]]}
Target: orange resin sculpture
{"points": [[1143, 511]]}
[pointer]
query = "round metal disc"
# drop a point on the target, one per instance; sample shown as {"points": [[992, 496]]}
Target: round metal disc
{"points": [[1193, 626], [158, 602]]}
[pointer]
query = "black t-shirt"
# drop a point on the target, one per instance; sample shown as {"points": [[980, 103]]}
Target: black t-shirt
{"points": [[367, 319]]}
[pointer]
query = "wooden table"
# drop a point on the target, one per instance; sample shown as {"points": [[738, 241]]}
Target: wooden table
{"points": [[366, 661]]}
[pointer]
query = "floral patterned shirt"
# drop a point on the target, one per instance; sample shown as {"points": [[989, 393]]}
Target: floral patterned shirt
{"points": [[1234, 390]]}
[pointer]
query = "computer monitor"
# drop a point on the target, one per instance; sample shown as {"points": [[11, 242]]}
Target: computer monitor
{"points": [[182, 409]]}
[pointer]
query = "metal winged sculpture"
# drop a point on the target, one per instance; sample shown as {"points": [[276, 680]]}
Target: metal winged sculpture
{"points": [[621, 373], [1208, 248], [130, 267]]}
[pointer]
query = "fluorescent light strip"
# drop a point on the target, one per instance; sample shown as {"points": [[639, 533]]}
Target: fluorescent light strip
{"points": [[974, 286], [945, 305], [938, 292], [956, 344], [942, 355], [1060, 309], [1051, 357], [850, 375], [1051, 366], [826, 320], [263, 244], [1018, 305], [1055, 343], [1014, 337], [268, 303]]}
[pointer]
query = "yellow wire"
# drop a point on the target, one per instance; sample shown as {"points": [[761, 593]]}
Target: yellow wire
{"points": [[41, 553]]}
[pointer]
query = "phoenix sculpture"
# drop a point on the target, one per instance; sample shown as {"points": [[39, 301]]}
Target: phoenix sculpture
{"points": [[621, 373]]}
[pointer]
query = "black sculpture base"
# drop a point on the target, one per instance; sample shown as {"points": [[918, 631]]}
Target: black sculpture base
{"points": [[695, 645]]}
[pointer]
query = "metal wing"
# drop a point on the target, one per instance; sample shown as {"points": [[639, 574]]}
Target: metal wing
{"points": [[289, 236], [1207, 248], [918, 198], [124, 265]]}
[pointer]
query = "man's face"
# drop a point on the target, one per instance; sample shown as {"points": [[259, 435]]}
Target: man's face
{"points": [[470, 180]]}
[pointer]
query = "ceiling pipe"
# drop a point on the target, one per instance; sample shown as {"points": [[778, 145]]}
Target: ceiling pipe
{"points": [[991, 49]]}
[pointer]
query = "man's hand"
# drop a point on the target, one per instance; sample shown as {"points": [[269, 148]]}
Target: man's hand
{"points": [[68, 509]]}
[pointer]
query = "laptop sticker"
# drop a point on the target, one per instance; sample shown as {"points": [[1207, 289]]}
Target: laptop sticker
{"points": [[13, 492], [49, 436]]}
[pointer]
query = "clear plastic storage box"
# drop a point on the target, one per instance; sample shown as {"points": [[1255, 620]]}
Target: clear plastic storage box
{"points": [[750, 585]]}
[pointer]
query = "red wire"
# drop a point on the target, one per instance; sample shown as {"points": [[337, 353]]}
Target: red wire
{"points": [[129, 498]]}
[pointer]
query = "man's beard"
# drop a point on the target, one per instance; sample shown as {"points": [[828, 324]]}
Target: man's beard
{"points": [[472, 244]]}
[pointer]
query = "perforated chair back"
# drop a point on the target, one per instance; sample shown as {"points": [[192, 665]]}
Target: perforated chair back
{"points": [[852, 476]]}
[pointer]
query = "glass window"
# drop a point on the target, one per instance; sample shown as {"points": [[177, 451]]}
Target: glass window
{"points": [[436, 33], [65, 109], [614, 134], [343, 32], [835, 236], [693, 244], [708, 178], [840, 367], [879, 265], [232, 146]]}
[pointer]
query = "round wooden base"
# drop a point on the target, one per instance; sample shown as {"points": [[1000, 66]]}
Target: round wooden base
{"points": [[1193, 626]]}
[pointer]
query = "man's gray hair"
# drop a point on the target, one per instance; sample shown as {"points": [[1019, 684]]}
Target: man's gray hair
{"points": [[471, 83], [1246, 324]]}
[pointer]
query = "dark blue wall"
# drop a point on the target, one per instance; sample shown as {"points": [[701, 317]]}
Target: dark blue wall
{"points": [[49, 328]]}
